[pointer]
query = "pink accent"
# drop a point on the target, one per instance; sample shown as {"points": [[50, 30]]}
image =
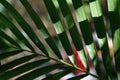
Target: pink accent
{"points": [[78, 62]]}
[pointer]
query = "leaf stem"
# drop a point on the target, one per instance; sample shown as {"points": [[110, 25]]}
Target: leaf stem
{"points": [[75, 67], [46, 56], [63, 62]]}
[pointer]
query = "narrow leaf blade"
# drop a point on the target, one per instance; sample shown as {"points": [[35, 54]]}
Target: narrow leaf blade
{"points": [[22, 69], [9, 53], [39, 72], [15, 63]]}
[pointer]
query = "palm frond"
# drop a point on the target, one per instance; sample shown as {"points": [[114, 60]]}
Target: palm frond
{"points": [[75, 35]]}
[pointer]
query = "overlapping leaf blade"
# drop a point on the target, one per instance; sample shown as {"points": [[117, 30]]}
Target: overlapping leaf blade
{"points": [[101, 33], [58, 75], [14, 68], [78, 77], [87, 33], [39, 72], [59, 28], [22, 69], [9, 39], [114, 17], [67, 14], [14, 30], [41, 27], [24, 25], [15, 63], [3, 44], [7, 54]]}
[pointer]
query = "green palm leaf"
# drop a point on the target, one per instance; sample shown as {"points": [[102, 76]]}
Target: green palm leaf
{"points": [[37, 62]]}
